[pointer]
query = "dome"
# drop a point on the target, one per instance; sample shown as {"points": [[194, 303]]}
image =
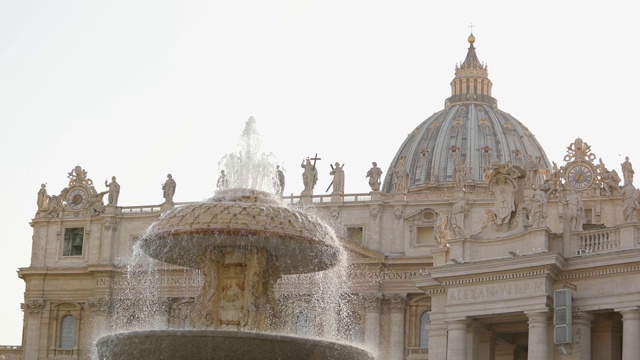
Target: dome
{"points": [[470, 131]]}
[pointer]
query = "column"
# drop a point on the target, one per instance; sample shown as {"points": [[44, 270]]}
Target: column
{"points": [[486, 346], [538, 336], [372, 307], [582, 334], [33, 314], [474, 329], [630, 334], [457, 340], [606, 333], [397, 305]]}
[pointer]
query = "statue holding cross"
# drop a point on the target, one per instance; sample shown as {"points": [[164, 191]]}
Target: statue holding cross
{"points": [[310, 175]]}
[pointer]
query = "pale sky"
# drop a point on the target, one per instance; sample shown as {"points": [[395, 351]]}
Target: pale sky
{"points": [[139, 89]]}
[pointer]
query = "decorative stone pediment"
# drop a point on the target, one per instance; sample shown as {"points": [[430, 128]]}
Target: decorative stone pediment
{"points": [[426, 215]]}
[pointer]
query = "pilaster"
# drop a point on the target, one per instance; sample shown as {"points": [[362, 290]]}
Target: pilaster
{"points": [[397, 304], [33, 310], [372, 307], [99, 308]]}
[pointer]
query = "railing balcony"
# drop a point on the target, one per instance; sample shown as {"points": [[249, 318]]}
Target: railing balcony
{"points": [[598, 241], [327, 198], [69, 353], [140, 209]]}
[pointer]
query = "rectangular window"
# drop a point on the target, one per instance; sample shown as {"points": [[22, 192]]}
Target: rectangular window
{"points": [[424, 235], [73, 241], [355, 234], [588, 216]]}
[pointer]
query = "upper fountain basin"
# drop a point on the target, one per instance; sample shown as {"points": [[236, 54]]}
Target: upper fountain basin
{"points": [[242, 218]]}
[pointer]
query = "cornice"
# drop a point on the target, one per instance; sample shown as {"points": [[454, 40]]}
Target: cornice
{"points": [[600, 272], [499, 269], [497, 277], [614, 258]]}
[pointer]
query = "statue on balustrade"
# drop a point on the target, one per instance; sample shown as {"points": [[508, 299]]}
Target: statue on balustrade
{"points": [[538, 208], [458, 213], [627, 171], [309, 176], [278, 181], [222, 182], [114, 191], [459, 173], [609, 179], [169, 189], [630, 202], [532, 168], [402, 175], [338, 178], [374, 174], [441, 229], [43, 197], [574, 210]]}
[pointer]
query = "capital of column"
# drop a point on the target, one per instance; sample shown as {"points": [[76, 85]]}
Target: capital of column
{"points": [[372, 302], [630, 314], [541, 317], [397, 303], [33, 307]]}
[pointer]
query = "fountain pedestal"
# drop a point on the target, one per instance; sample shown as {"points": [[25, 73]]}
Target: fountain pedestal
{"points": [[238, 290]]}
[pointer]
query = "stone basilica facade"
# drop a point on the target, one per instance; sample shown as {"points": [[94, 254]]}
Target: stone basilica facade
{"points": [[473, 246]]}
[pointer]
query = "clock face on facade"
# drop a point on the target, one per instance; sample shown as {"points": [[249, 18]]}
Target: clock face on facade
{"points": [[580, 176], [77, 199]]}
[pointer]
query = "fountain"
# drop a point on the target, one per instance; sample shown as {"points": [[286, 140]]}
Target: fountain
{"points": [[243, 241]]}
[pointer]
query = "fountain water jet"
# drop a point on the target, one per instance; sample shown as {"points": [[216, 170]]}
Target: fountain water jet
{"points": [[242, 240]]}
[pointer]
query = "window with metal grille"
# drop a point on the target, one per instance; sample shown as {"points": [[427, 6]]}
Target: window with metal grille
{"points": [[68, 332], [425, 320]]}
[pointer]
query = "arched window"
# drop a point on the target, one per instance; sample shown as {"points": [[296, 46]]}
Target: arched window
{"points": [[68, 332], [425, 320]]}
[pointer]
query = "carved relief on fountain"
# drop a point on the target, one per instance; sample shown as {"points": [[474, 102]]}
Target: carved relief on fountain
{"points": [[238, 290]]}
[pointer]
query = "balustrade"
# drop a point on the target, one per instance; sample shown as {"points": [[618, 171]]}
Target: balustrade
{"points": [[598, 241]]}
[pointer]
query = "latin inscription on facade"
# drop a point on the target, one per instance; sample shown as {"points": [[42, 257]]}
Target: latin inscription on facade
{"points": [[154, 281], [389, 275], [472, 294], [124, 282]]}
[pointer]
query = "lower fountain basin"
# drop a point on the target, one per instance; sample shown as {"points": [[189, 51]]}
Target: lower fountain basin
{"points": [[221, 344]]}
